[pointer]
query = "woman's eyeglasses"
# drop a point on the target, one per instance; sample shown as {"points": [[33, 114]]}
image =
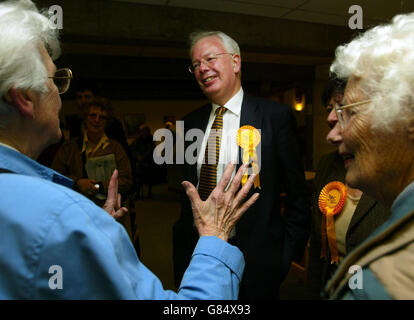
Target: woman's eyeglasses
{"points": [[343, 112], [62, 79]]}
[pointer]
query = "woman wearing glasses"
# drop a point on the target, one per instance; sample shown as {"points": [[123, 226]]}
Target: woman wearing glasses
{"points": [[357, 219], [377, 127], [91, 158]]}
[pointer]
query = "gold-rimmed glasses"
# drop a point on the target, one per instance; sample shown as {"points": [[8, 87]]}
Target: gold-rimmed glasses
{"points": [[343, 112], [207, 60], [62, 79]]}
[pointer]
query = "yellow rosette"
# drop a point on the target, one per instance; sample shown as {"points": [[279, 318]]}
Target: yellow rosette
{"points": [[331, 201], [248, 138]]}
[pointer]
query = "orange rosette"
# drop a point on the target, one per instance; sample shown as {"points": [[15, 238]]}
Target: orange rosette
{"points": [[248, 138], [331, 201]]}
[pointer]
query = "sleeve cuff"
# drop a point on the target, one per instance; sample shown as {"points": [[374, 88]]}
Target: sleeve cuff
{"points": [[229, 255]]}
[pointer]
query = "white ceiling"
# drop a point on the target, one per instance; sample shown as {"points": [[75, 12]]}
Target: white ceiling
{"points": [[332, 12]]}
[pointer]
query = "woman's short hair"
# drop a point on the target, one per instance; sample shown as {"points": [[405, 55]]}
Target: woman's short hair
{"points": [[101, 103], [383, 59], [333, 86]]}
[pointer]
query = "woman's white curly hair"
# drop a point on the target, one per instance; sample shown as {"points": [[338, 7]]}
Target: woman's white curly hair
{"points": [[383, 59]]}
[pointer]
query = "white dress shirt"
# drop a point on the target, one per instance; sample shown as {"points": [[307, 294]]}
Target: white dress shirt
{"points": [[231, 123]]}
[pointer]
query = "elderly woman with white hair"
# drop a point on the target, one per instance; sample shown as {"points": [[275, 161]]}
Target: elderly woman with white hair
{"points": [[54, 242], [377, 120]]}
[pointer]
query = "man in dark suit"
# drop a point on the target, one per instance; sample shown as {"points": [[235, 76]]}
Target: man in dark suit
{"points": [[268, 238]]}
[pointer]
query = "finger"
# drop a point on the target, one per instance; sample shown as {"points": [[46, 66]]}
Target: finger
{"points": [[113, 187], [116, 172], [191, 192], [225, 178], [120, 213], [244, 191], [235, 184]]}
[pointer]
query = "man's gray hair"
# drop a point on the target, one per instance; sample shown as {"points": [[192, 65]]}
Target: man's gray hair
{"points": [[229, 44], [23, 29], [383, 59]]}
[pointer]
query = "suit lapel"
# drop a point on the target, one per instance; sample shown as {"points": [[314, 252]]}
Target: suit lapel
{"points": [[250, 115], [365, 204]]}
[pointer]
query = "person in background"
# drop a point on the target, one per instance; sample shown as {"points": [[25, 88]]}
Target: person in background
{"points": [[74, 122], [142, 152], [84, 97], [71, 160], [48, 231], [360, 215]]}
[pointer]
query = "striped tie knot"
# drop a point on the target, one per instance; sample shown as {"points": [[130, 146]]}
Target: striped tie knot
{"points": [[220, 111]]}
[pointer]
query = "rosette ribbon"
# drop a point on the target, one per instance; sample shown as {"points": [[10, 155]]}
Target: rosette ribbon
{"points": [[248, 138], [331, 201]]}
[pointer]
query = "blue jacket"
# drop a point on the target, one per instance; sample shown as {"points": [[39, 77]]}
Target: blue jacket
{"points": [[57, 244]]}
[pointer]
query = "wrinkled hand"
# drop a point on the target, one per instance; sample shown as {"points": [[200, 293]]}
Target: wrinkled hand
{"points": [[219, 213], [86, 186], [113, 201]]}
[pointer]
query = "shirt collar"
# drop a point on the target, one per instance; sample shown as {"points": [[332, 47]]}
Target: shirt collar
{"points": [[234, 104], [7, 146], [404, 203], [401, 206], [19, 163]]}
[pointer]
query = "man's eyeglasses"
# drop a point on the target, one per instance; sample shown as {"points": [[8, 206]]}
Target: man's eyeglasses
{"points": [[343, 112], [208, 61], [62, 79]]}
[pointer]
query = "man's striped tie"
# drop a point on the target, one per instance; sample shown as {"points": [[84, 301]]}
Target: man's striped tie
{"points": [[208, 172]]}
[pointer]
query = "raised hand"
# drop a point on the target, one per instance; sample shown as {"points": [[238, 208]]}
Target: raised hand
{"points": [[219, 213], [113, 201]]}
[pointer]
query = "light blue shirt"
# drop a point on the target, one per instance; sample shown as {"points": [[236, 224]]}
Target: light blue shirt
{"points": [[57, 244]]}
